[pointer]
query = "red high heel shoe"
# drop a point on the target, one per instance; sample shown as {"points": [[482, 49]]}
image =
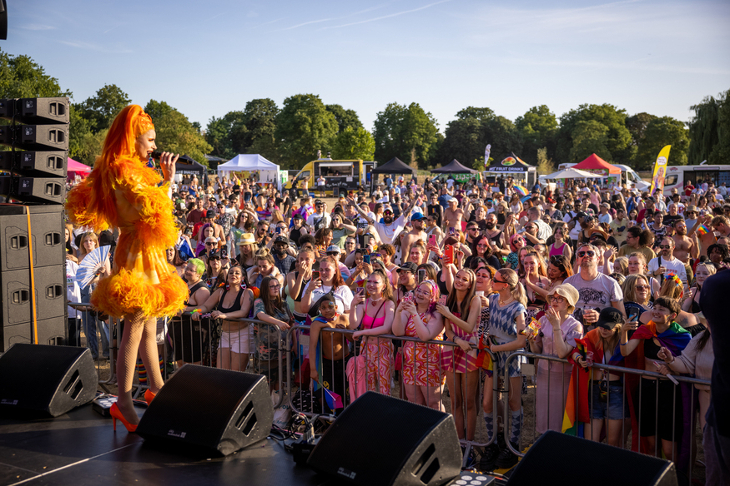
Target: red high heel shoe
{"points": [[117, 415], [149, 396]]}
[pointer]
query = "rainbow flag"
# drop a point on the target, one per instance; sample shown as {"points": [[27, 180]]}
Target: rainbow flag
{"points": [[703, 230], [521, 190]]}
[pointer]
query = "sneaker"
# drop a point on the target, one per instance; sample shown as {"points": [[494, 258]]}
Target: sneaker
{"points": [[489, 457], [507, 458]]}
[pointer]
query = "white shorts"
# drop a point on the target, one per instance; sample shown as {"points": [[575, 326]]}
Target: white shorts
{"points": [[237, 341]]}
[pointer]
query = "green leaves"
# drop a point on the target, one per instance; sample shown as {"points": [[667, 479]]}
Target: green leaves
{"points": [[406, 132]]}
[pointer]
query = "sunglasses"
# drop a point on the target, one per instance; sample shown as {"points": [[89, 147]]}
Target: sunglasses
{"points": [[589, 253]]}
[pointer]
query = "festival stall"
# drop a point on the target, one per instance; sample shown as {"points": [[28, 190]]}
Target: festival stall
{"points": [[253, 165], [600, 167], [512, 166], [458, 171]]}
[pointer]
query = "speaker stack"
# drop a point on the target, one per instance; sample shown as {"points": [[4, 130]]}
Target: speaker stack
{"points": [[32, 244]]}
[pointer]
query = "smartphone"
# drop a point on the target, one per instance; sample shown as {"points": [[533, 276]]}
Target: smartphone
{"points": [[421, 275], [449, 254], [432, 241], [315, 275], [366, 259]]}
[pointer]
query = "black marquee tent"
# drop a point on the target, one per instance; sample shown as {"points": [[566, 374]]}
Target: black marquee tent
{"points": [[454, 167], [394, 166]]}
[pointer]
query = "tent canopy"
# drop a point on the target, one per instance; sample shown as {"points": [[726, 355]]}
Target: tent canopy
{"points": [[571, 173], [454, 167], [394, 166], [77, 167], [594, 162], [509, 164]]}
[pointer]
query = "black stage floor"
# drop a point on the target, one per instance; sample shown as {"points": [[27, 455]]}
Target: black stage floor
{"points": [[80, 448]]}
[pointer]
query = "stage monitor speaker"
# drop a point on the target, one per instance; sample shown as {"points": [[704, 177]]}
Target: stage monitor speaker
{"points": [[549, 462], [48, 379], [211, 409], [389, 442]]}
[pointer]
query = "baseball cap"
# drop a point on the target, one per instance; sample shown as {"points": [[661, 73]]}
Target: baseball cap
{"points": [[609, 317], [408, 266]]}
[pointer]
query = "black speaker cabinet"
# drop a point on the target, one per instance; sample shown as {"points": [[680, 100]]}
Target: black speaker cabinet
{"points": [[208, 408], [385, 441], [48, 236], [549, 462], [49, 379], [50, 332]]}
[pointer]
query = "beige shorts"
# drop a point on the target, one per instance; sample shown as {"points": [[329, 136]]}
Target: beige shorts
{"points": [[237, 341]]}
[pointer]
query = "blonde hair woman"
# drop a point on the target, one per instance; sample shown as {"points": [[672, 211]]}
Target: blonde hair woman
{"points": [[507, 310]]}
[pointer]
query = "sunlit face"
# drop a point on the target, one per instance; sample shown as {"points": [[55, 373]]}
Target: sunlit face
{"points": [[215, 265], [191, 274], [274, 287], [327, 272], [462, 281], [642, 290], [235, 276], [484, 280], [265, 267], [144, 144], [88, 244], [375, 284], [701, 274], [530, 264]]}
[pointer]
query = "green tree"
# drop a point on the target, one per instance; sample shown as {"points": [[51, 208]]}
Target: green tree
{"points": [[101, 108], [590, 137], [406, 132], [345, 118], [660, 132], [704, 130], [175, 133], [537, 127], [21, 77], [354, 143], [616, 140], [304, 126]]}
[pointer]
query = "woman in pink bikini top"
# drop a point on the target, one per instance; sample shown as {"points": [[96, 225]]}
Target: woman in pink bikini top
{"points": [[377, 311]]}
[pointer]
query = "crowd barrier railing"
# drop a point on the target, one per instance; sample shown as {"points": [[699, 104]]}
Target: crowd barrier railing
{"points": [[376, 358], [626, 427]]}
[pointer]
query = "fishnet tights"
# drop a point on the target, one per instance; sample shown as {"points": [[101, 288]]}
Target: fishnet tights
{"points": [[139, 338]]}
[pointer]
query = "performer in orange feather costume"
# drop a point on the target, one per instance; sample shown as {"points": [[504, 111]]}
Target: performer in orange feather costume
{"points": [[122, 192]]}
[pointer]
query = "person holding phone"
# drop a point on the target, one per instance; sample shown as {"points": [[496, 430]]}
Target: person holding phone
{"points": [[374, 316], [423, 377]]}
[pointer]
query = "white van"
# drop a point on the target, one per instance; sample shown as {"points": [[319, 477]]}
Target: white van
{"points": [[678, 176], [627, 175]]}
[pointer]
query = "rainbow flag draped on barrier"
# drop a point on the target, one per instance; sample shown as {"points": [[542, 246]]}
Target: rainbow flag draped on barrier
{"points": [[334, 401], [580, 382]]}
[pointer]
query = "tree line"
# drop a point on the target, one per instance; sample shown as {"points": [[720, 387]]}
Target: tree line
{"points": [[292, 134]]}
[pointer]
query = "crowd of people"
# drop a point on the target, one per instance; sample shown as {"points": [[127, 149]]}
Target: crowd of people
{"points": [[592, 274]]}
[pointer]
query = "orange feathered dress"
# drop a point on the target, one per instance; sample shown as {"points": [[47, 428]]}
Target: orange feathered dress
{"points": [[123, 192]]}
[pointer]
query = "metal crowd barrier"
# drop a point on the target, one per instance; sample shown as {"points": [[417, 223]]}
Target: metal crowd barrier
{"points": [[552, 361], [298, 338]]}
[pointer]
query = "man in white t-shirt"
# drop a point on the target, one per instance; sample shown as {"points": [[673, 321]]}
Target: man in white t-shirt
{"points": [[389, 227]]}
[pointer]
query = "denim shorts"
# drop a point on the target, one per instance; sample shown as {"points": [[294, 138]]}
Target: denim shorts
{"points": [[613, 405]]}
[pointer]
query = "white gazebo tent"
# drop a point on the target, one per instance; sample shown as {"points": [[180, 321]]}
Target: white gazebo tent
{"points": [[268, 172]]}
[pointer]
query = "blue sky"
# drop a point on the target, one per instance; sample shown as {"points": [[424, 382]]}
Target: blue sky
{"points": [[206, 58]]}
